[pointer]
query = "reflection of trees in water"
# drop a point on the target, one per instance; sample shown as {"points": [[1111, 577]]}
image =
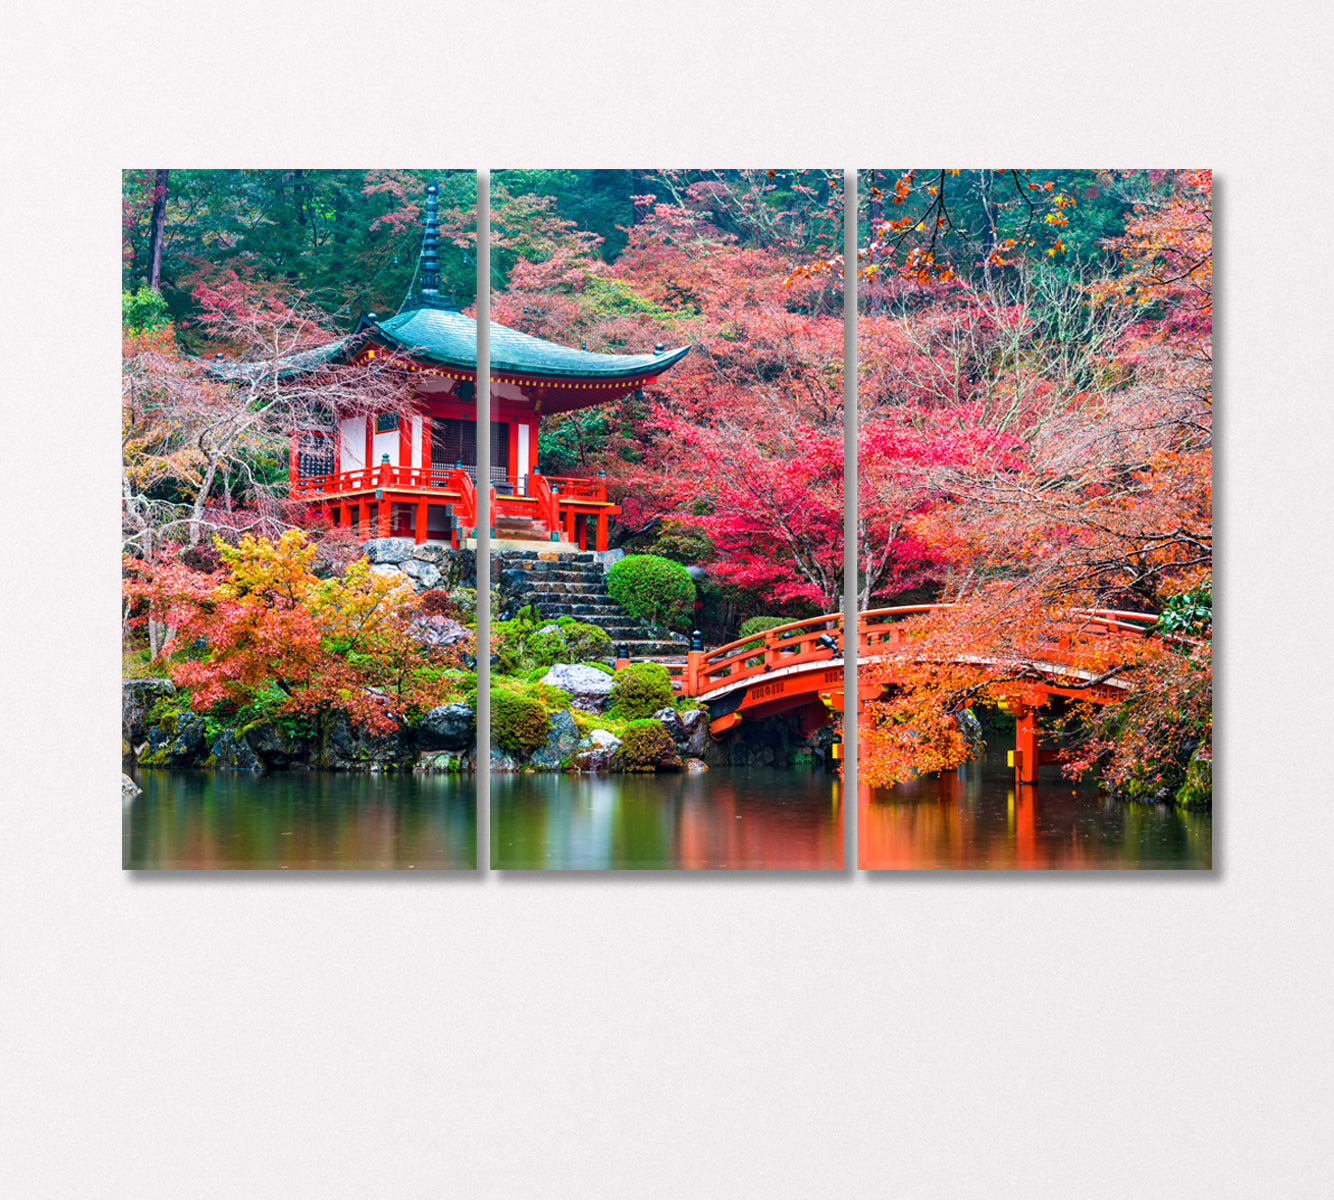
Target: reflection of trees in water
{"points": [[720, 818], [218, 820], [994, 824]]}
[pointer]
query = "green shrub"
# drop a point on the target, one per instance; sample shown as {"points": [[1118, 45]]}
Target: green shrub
{"points": [[640, 690], [569, 641], [439, 604], [647, 746], [653, 589], [683, 544], [143, 311], [518, 723], [761, 625], [584, 641]]}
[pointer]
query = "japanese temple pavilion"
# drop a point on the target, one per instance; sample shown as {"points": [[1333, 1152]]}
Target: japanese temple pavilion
{"points": [[416, 476]]}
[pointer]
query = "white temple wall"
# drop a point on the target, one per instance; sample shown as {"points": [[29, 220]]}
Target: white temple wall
{"points": [[352, 431]]}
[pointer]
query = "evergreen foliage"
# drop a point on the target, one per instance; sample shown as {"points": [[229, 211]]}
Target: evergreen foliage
{"points": [[640, 690], [653, 589]]}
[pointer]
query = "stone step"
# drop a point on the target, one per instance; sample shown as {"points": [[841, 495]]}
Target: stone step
{"points": [[530, 556], [654, 650], [560, 595], [542, 578], [575, 606]]}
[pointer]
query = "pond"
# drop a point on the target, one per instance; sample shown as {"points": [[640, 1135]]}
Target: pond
{"points": [[987, 822], [299, 820], [726, 818]]}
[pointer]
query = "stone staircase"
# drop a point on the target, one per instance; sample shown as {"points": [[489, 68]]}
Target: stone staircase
{"points": [[573, 584]]}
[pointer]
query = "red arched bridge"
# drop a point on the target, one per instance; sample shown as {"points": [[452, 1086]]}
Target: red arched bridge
{"points": [[797, 669]]}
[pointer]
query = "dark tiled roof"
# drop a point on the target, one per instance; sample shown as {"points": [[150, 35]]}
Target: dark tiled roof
{"points": [[447, 336]]}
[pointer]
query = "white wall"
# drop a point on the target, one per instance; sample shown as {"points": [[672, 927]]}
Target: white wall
{"points": [[385, 443], [352, 431]]}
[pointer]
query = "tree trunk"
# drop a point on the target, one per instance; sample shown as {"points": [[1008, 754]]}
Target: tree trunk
{"points": [[156, 226], [989, 236]]}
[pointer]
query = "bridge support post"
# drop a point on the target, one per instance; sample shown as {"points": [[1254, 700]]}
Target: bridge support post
{"points": [[1026, 745]]}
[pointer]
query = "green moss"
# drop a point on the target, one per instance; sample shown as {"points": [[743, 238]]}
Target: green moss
{"points": [[647, 746], [640, 690], [519, 723], [1198, 790]]}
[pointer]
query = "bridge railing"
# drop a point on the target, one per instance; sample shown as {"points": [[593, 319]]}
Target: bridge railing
{"points": [[788, 645], [879, 631]]}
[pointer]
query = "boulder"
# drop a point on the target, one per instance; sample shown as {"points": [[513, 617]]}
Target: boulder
{"points": [[232, 753], [128, 787], [177, 741], [596, 752], [696, 764], [275, 748], [354, 746], [450, 761], [430, 554], [423, 574], [689, 730], [502, 763], [447, 727], [439, 631], [588, 687], [136, 698], [386, 569], [560, 744], [388, 550]]}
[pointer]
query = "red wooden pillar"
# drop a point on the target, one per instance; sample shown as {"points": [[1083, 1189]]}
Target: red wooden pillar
{"points": [[1026, 745], [517, 469], [386, 509], [291, 464], [425, 462], [363, 520], [421, 522], [369, 461], [602, 531]]}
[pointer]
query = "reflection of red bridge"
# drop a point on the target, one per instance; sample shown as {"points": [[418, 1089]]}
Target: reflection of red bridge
{"points": [[798, 669]]}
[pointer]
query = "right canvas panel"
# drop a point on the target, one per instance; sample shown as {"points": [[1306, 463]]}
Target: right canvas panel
{"points": [[1035, 497]]}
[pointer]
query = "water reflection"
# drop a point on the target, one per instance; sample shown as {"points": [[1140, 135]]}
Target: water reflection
{"points": [[229, 820], [997, 825], [724, 818]]}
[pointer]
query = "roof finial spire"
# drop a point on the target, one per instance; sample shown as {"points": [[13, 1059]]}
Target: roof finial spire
{"points": [[430, 259]]}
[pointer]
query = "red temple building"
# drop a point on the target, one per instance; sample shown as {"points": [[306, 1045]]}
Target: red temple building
{"points": [[416, 476]]}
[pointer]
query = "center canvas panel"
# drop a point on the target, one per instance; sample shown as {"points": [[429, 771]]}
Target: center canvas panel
{"points": [[667, 518]]}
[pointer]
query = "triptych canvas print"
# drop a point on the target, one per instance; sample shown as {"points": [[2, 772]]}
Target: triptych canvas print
{"points": [[621, 561]]}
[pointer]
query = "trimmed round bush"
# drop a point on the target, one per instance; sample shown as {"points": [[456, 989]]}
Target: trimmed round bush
{"points": [[518, 723], [640, 690], [653, 589], [647, 746]]}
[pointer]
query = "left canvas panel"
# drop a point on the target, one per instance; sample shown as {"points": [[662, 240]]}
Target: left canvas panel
{"points": [[299, 576]]}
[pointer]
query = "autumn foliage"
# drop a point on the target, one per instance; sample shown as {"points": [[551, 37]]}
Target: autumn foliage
{"points": [[265, 634]]}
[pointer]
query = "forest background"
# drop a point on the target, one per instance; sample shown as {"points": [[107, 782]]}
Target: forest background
{"points": [[1034, 381]]}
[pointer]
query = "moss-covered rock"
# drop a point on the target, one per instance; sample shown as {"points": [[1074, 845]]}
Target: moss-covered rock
{"points": [[519, 723], [647, 746], [1198, 790]]}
